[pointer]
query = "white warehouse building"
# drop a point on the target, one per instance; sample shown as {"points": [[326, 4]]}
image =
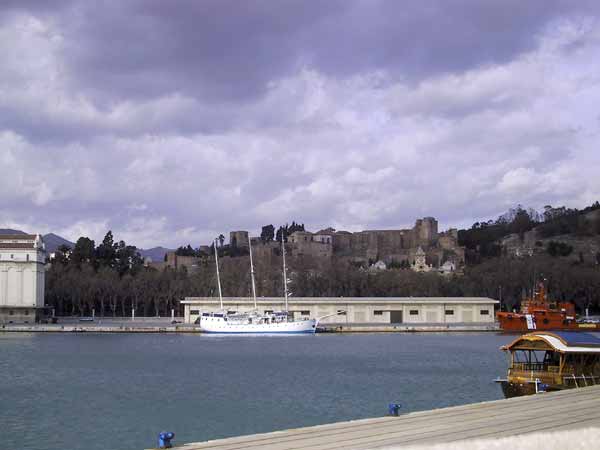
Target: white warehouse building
{"points": [[22, 277], [360, 310]]}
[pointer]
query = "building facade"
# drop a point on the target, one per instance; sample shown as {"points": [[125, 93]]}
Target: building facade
{"points": [[360, 310], [22, 277]]}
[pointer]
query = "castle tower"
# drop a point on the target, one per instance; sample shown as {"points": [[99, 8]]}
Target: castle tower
{"points": [[426, 230], [238, 239]]}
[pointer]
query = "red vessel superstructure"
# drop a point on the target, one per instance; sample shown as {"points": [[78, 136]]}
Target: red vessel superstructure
{"points": [[538, 313]]}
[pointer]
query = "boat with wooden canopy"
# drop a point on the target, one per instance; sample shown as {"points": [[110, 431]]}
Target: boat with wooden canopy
{"points": [[551, 361]]}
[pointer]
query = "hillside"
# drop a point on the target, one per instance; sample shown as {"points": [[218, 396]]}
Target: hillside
{"points": [[568, 233], [53, 241], [156, 254], [10, 231]]}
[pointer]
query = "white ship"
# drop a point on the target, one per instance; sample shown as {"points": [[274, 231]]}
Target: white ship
{"points": [[279, 322], [254, 323]]}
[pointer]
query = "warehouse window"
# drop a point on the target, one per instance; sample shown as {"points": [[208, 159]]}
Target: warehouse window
{"points": [[378, 313], [449, 312], [414, 312], [484, 312], [26, 312], [195, 311], [305, 313]]}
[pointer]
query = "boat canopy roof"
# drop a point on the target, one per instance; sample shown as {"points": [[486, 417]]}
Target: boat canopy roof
{"points": [[559, 341]]}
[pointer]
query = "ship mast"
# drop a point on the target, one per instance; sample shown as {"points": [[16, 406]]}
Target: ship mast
{"points": [[218, 277], [252, 273], [285, 289]]}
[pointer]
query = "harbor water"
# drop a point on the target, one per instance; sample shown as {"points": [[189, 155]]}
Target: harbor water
{"points": [[96, 391]]}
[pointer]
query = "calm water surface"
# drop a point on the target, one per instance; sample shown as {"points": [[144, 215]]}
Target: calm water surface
{"points": [[99, 391]]}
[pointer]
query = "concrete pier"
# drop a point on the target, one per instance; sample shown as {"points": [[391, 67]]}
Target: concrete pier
{"points": [[564, 410], [99, 329], [167, 327]]}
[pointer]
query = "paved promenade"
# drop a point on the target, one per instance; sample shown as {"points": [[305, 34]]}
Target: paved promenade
{"points": [[566, 410]]}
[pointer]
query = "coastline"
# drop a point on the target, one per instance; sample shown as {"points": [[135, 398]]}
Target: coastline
{"points": [[195, 329]]}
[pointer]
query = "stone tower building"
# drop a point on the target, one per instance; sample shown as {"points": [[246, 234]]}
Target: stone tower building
{"points": [[238, 239], [426, 230], [22, 277]]}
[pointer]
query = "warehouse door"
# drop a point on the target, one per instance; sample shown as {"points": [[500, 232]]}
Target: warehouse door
{"points": [[395, 316]]}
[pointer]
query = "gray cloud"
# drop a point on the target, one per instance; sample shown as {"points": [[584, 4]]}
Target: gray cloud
{"points": [[170, 124]]}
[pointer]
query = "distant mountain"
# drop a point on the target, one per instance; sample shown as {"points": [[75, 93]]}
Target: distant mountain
{"points": [[156, 254], [10, 231], [53, 241]]}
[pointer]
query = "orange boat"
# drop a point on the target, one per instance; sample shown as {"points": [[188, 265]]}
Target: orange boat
{"points": [[538, 313]]}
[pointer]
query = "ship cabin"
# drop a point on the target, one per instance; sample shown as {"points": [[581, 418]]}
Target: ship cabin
{"points": [[546, 361]]}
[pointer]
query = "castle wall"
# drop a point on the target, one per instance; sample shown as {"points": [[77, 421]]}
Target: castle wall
{"points": [[238, 239], [364, 246]]}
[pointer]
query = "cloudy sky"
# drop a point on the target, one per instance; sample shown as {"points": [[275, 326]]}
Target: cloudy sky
{"points": [[173, 121]]}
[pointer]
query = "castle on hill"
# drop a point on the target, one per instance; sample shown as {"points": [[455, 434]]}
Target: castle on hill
{"points": [[421, 248]]}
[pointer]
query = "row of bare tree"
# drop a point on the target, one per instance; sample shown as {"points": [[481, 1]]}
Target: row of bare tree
{"points": [[75, 289]]}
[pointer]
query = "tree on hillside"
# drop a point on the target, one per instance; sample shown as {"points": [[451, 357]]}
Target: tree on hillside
{"points": [[268, 233], [522, 222], [63, 254], [559, 249], [127, 258], [84, 251], [185, 251], [287, 230], [282, 232], [295, 227], [106, 252]]}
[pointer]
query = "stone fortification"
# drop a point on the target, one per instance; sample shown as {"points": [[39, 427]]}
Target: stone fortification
{"points": [[420, 246], [238, 239], [304, 243], [390, 246]]}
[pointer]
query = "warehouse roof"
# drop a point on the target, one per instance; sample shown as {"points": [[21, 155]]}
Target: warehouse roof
{"points": [[342, 300]]}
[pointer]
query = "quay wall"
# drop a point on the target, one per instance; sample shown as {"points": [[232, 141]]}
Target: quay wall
{"points": [[329, 328]]}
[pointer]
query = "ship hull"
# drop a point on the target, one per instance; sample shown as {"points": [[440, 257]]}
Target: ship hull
{"points": [[522, 323], [219, 326], [539, 314], [512, 389]]}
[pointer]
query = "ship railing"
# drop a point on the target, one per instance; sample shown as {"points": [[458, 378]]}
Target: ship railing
{"points": [[534, 367], [581, 380]]}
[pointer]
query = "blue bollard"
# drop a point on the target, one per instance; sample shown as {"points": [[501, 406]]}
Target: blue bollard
{"points": [[164, 439], [393, 409]]}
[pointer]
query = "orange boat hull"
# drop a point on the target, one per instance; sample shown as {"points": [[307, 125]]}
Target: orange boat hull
{"points": [[543, 321], [537, 313]]}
